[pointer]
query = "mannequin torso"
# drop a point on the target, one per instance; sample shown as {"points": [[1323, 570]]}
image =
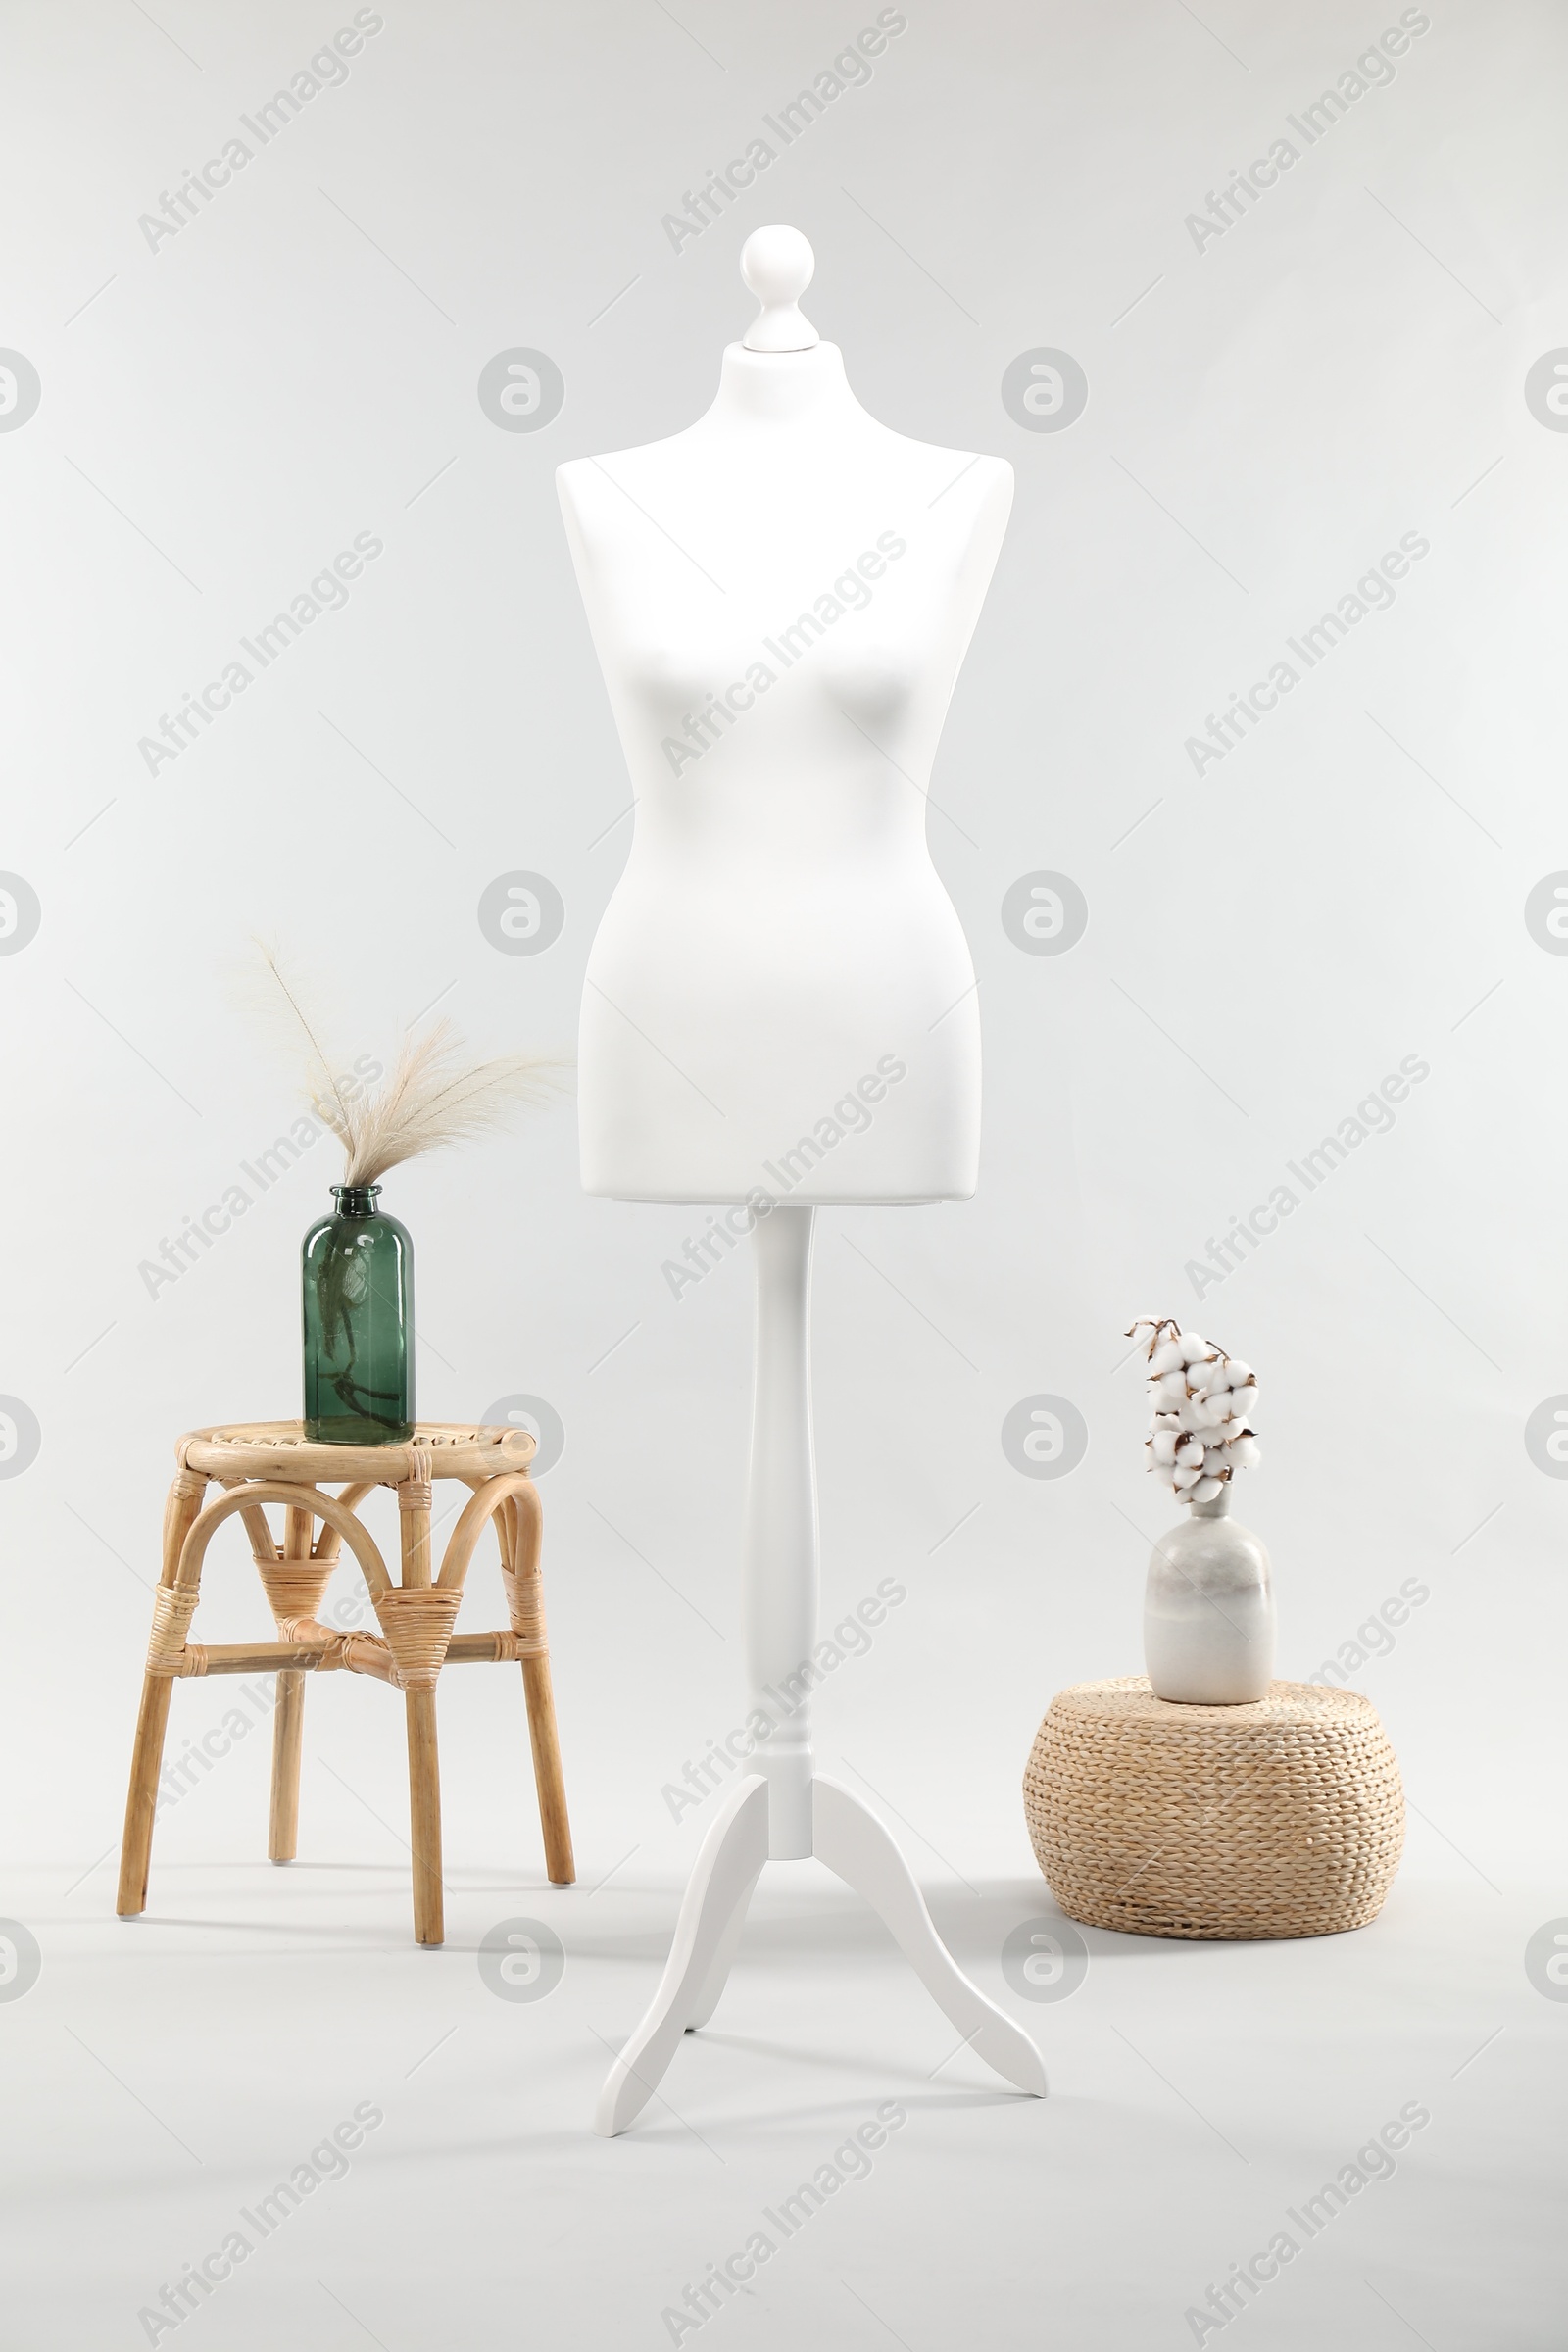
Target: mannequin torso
{"points": [[780, 996]]}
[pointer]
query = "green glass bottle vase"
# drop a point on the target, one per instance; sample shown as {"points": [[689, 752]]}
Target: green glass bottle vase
{"points": [[357, 1272]]}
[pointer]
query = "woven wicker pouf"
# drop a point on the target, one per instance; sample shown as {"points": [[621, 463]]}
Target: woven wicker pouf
{"points": [[1282, 1818]]}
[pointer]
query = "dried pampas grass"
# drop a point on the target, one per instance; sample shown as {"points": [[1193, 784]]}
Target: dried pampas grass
{"points": [[433, 1095]]}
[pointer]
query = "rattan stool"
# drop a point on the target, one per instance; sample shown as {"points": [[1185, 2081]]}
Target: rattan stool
{"points": [[1282, 1818], [264, 1462]]}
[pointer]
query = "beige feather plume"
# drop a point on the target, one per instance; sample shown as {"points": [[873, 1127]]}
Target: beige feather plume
{"points": [[434, 1094]]}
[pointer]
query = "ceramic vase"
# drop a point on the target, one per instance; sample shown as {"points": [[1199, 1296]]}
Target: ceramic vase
{"points": [[1208, 1612]]}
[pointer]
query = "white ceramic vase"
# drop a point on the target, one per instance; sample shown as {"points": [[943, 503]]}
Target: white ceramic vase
{"points": [[1208, 1612]]}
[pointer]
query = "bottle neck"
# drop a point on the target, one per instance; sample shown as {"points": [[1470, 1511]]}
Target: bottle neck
{"points": [[356, 1200], [1218, 1509]]}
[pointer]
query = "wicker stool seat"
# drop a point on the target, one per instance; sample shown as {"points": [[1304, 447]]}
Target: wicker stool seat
{"points": [[270, 1462], [1282, 1818]]}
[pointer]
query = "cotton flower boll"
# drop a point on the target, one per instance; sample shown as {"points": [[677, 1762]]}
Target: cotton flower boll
{"points": [[1199, 1398]]}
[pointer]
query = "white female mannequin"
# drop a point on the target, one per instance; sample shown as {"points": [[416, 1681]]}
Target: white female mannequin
{"points": [[801, 585], [779, 1008]]}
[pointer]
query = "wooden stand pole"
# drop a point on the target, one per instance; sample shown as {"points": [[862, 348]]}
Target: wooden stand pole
{"points": [[783, 1809]]}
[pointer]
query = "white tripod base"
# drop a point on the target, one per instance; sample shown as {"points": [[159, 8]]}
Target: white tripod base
{"points": [[858, 1849]]}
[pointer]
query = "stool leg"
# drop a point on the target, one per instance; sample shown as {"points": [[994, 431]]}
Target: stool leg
{"points": [[549, 1780], [522, 1542], [425, 1816], [141, 1804], [288, 1731], [180, 1511], [425, 1768]]}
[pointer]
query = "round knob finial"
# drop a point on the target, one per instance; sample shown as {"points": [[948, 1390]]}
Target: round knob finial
{"points": [[777, 264]]}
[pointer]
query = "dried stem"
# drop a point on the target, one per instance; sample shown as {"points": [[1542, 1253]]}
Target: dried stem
{"points": [[433, 1095]]}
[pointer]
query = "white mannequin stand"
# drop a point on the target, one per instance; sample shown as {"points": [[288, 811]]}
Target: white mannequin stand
{"points": [[787, 1810], [780, 1000]]}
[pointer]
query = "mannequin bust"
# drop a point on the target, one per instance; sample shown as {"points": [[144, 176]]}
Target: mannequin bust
{"points": [[780, 998], [780, 1009]]}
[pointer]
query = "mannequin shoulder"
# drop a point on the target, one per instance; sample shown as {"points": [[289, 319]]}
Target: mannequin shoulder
{"points": [[997, 482], [583, 485], [988, 471], [972, 501], [602, 474], [981, 484], [600, 495], [969, 491]]}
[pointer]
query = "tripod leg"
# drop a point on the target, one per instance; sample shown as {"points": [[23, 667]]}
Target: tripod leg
{"points": [[726, 1870], [859, 1849], [723, 1960]]}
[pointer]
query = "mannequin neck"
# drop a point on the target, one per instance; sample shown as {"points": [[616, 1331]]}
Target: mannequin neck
{"points": [[784, 387]]}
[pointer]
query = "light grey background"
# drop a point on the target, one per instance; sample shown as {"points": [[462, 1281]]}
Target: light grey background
{"points": [[1266, 417]]}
